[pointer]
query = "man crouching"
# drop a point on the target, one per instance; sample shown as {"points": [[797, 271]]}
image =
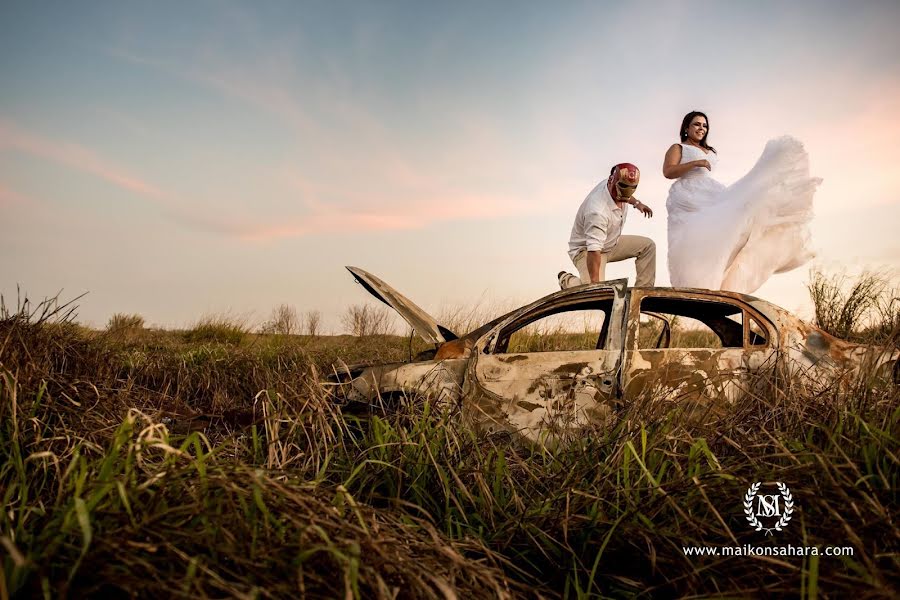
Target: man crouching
{"points": [[597, 238]]}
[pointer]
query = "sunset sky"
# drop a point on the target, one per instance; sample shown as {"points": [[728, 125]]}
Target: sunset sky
{"points": [[178, 159]]}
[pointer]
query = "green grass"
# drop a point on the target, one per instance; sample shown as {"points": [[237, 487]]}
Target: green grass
{"points": [[161, 466]]}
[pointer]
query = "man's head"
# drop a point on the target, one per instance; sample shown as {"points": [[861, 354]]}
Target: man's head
{"points": [[623, 181]]}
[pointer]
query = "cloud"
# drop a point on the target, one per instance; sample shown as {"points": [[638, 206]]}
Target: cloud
{"points": [[84, 160], [10, 198], [335, 221], [356, 172], [77, 157], [399, 208], [243, 83]]}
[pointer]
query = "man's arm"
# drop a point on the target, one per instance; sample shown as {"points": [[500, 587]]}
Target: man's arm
{"points": [[595, 266], [637, 204], [595, 232]]}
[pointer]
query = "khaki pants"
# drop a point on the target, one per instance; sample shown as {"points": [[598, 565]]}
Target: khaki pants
{"points": [[629, 246]]}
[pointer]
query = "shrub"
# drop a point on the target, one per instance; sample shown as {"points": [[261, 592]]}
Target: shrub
{"points": [[284, 321], [364, 319], [121, 322], [217, 328], [312, 320]]}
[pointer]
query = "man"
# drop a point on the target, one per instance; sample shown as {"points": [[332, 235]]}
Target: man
{"points": [[597, 233]]}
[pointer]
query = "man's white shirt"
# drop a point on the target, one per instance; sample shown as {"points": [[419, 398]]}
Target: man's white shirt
{"points": [[598, 223]]}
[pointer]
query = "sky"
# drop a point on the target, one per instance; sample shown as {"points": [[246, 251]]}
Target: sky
{"points": [[185, 159]]}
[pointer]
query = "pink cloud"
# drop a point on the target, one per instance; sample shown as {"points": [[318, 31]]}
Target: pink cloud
{"points": [[408, 192], [87, 161], [416, 216], [365, 180], [78, 158], [332, 223], [10, 197], [402, 210]]}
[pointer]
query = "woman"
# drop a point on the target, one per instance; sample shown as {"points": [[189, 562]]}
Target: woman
{"points": [[735, 237]]}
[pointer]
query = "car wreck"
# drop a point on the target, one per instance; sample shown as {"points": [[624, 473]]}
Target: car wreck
{"points": [[546, 397]]}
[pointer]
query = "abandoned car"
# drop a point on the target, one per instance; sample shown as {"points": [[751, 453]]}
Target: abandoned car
{"points": [[500, 385]]}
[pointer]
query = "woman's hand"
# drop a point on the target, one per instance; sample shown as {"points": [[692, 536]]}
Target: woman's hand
{"points": [[703, 163]]}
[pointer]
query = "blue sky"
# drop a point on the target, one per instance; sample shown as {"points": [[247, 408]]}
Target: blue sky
{"points": [[180, 159]]}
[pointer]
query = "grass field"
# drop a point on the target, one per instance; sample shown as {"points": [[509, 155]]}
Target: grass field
{"points": [[210, 463]]}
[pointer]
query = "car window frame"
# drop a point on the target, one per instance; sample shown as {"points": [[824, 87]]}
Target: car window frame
{"points": [[638, 295], [575, 305], [616, 287]]}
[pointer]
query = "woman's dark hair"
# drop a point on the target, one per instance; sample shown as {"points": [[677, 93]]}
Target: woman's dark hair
{"points": [[687, 121]]}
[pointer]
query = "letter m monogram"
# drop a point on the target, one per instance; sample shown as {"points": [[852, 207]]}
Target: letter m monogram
{"points": [[767, 505]]}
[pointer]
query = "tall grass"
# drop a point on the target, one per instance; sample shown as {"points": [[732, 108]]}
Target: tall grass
{"points": [[222, 329], [121, 322], [103, 495], [865, 308], [162, 467]]}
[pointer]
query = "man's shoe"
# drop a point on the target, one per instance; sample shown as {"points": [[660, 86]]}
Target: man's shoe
{"points": [[559, 278]]}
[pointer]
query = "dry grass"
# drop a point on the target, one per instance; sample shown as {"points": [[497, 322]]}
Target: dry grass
{"points": [[121, 322], [221, 329], [162, 467], [865, 309]]}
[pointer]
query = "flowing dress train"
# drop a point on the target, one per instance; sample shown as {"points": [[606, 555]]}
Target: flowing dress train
{"points": [[735, 237]]}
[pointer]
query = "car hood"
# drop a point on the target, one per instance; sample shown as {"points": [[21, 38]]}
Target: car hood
{"points": [[424, 324]]}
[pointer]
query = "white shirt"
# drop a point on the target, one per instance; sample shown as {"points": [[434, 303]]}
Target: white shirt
{"points": [[598, 223]]}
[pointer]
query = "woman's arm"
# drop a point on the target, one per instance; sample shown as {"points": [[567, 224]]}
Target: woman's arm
{"points": [[673, 170]]}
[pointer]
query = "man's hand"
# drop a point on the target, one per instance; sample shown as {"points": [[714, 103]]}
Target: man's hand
{"points": [[648, 212]]}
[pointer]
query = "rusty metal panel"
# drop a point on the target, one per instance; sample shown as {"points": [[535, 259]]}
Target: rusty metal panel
{"points": [[541, 393], [546, 397], [440, 380]]}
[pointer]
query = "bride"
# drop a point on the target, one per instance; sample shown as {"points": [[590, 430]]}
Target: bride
{"points": [[735, 237]]}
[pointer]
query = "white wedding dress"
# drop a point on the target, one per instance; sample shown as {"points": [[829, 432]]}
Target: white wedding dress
{"points": [[735, 237]]}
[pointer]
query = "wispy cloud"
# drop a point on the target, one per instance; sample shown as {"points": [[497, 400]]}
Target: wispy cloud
{"points": [[414, 217], [362, 178], [401, 207], [234, 81], [10, 198], [79, 158], [85, 160]]}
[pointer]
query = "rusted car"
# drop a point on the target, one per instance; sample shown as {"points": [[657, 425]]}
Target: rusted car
{"points": [[548, 396]]}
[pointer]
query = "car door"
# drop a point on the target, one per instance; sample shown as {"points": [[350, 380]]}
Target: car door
{"points": [[714, 345], [546, 383]]}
